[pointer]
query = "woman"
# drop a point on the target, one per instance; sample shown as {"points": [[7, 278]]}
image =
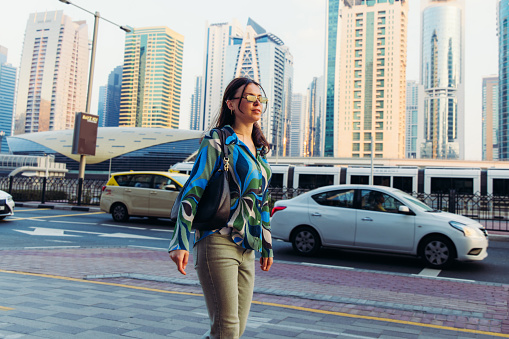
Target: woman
{"points": [[224, 258]]}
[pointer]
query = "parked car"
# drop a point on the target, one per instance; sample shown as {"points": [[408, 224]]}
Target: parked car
{"points": [[6, 205], [376, 218], [141, 194]]}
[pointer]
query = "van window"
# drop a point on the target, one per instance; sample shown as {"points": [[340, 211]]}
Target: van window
{"points": [[141, 181], [123, 180]]}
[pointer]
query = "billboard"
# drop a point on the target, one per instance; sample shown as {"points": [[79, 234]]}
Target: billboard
{"points": [[85, 134]]}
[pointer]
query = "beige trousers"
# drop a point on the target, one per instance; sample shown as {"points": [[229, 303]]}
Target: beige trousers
{"points": [[226, 273]]}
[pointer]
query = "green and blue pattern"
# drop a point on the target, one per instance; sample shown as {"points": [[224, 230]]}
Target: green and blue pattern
{"points": [[249, 222]]}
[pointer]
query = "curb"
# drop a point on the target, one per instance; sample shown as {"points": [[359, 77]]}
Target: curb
{"points": [[60, 207]]}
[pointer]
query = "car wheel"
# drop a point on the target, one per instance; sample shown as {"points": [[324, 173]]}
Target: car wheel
{"points": [[437, 252], [119, 212], [306, 241], [2, 217]]}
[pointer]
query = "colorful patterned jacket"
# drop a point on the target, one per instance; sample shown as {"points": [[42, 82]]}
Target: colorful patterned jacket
{"points": [[249, 222]]}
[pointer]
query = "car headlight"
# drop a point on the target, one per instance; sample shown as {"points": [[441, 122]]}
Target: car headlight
{"points": [[467, 231], [9, 198]]}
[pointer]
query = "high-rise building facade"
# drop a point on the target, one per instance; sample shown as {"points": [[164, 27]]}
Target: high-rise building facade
{"points": [[313, 119], [368, 90], [412, 119], [298, 112], [503, 78], [263, 57], [152, 78], [215, 77], [7, 92], [442, 78], [113, 93], [196, 105], [490, 119], [52, 85], [101, 104], [332, 45]]}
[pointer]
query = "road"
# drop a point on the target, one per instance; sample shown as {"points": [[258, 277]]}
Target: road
{"points": [[48, 228]]}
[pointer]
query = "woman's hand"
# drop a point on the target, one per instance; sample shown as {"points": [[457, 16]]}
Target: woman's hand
{"points": [[180, 257], [266, 263]]}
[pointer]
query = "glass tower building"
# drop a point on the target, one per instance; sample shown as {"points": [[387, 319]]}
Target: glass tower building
{"points": [[113, 92], [7, 91], [366, 78], [215, 76], [263, 57], [196, 105], [53, 74], [442, 78], [503, 78], [152, 78]]}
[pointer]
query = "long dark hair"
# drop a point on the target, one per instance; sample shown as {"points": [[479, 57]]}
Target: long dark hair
{"points": [[226, 117]]}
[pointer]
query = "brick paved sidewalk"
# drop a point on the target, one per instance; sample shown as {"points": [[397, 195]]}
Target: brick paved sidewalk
{"points": [[397, 297]]}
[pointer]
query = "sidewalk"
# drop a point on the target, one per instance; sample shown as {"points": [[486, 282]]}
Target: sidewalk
{"points": [[137, 293], [129, 292]]}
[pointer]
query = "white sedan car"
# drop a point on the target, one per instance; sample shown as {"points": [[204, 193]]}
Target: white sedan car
{"points": [[376, 218], [6, 205]]}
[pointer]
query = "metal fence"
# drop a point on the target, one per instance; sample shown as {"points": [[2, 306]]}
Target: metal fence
{"points": [[491, 211], [53, 189]]}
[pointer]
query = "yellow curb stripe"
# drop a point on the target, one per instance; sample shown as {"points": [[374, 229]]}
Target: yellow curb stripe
{"points": [[58, 216], [4, 308], [299, 308]]}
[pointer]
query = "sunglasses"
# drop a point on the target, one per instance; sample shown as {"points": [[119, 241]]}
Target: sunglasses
{"points": [[253, 98]]}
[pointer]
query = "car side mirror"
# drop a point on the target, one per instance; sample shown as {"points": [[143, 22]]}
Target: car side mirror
{"points": [[170, 187], [404, 209]]}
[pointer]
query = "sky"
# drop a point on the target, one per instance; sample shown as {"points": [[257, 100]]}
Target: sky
{"points": [[299, 23]]}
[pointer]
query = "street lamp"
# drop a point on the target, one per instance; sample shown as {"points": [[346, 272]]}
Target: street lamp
{"points": [[97, 16]]}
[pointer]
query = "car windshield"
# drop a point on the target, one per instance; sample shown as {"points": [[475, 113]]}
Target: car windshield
{"points": [[415, 201]]}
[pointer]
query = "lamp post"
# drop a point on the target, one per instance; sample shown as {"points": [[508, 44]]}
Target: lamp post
{"points": [[97, 16]]}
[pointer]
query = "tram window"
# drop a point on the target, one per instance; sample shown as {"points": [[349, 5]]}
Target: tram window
{"points": [[382, 181], [461, 185], [403, 183], [277, 180], [501, 187], [311, 181], [359, 180]]}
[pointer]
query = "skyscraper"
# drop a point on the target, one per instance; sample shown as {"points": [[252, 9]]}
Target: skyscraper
{"points": [[101, 104], [7, 91], [196, 105], [113, 93], [215, 78], [152, 78], [297, 131], [490, 127], [263, 57], [442, 78], [331, 59], [52, 85], [503, 78], [366, 75], [412, 118], [313, 117]]}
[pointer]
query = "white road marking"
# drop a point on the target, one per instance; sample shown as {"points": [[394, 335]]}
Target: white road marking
{"points": [[73, 222], [50, 232], [41, 231], [429, 272]]}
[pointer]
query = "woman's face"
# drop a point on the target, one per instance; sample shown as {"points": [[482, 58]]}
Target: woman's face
{"points": [[247, 112]]}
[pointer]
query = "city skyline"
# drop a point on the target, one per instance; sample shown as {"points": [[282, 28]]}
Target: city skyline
{"points": [[303, 32]]}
